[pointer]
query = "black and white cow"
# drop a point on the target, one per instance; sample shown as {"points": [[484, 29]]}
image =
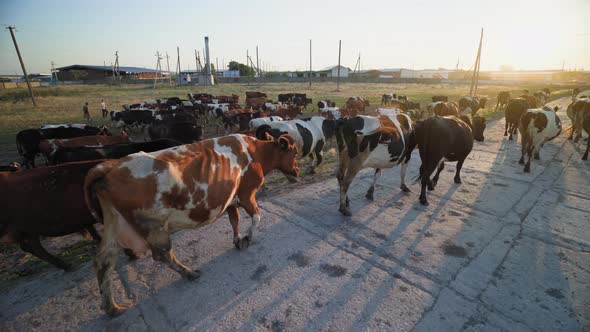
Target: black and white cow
{"points": [[332, 113], [377, 142], [388, 98], [255, 123], [441, 139], [537, 126], [27, 141], [132, 121], [324, 104], [310, 135]]}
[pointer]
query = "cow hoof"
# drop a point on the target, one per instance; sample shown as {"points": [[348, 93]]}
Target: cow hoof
{"points": [[405, 188], [585, 157], [345, 211], [130, 254], [424, 201], [369, 195], [527, 169], [521, 161], [116, 310], [243, 243], [311, 171], [458, 180], [431, 186], [192, 275], [292, 179]]}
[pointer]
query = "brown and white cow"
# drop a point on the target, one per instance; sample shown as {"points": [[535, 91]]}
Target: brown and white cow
{"points": [[356, 105], [378, 142], [143, 198], [579, 112], [537, 126]]}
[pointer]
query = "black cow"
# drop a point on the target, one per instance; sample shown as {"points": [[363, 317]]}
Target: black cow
{"points": [[514, 110], [115, 151], [442, 139], [185, 132], [27, 141], [503, 99], [173, 116]]}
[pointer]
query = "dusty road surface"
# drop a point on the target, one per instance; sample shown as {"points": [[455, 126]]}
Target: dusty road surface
{"points": [[504, 251]]}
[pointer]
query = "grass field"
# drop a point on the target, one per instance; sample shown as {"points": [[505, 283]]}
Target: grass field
{"points": [[64, 104]]}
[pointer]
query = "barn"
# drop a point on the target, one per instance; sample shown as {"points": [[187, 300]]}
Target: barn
{"points": [[100, 73]]}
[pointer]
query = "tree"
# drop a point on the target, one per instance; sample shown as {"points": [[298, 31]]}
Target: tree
{"points": [[244, 70]]}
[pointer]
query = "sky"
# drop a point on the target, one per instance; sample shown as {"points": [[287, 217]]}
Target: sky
{"points": [[523, 34]]}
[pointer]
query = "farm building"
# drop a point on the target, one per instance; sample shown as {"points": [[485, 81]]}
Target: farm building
{"points": [[99, 73], [326, 72]]}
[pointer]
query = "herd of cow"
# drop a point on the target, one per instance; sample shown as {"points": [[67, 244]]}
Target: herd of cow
{"points": [[143, 191]]}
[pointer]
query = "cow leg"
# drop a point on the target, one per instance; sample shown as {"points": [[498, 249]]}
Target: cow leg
{"points": [[249, 204], [434, 180], [458, 172], [585, 156], [403, 172], [376, 177], [344, 185], [32, 244], [159, 242], [318, 156], [234, 218], [537, 156], [529, 152], [523, 151], [93, 233], [506, 128]]}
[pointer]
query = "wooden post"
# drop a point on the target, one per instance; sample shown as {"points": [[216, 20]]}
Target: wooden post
{"points": [[22, 64], [476, 67], [338, 79], [310, 68]]}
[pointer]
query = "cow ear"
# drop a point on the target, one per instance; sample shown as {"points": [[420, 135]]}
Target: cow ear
{"points": [[284, 143], [268, 137], [556, 108]]}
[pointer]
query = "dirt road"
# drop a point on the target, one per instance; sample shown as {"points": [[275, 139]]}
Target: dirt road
{"points": [[503, 251]]}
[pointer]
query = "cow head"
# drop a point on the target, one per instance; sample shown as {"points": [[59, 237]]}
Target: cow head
{"points": [[288, 155], [478, 127]]}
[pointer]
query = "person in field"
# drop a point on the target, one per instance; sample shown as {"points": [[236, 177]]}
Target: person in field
{"points": [[87, 116], [103, 108]]}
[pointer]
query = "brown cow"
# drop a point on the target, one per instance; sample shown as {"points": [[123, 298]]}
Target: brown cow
{"points": [[444, 108], [288, 113], [178, 188], [257, 103], [46, 201], [48, 147]]}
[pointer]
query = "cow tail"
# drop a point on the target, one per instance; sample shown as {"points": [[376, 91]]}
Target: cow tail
{"points": [[93, 183]]}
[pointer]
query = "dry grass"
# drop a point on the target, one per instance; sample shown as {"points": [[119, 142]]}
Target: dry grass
{"points": [[64, 104]]}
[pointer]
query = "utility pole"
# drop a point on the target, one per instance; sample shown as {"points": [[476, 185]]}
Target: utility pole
{"points": [[338, 79], [257, 63], [158, 67], [178, 76], [116, 73], [310, 64], [476, 68], [22, 64], [53, 73], [216, 64], [168, 68]]}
